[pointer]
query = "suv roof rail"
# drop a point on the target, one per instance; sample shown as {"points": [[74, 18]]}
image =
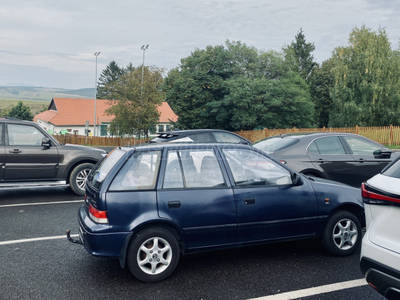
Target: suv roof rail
{"points": [[10, 118]]}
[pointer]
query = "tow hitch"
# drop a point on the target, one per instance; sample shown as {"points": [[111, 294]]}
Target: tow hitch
{"points": [[78, 241]]}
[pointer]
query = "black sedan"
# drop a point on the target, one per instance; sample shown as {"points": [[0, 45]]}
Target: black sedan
{"points": [[200, 136], [343, 157]]}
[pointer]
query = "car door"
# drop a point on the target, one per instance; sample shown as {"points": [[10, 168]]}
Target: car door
{"points": [[25, 158], [368, 165], [269, 205], [194, 193], [329, 156]]}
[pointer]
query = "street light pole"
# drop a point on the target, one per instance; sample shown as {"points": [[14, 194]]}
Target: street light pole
{"points": [[144, 48], [95, 95]]}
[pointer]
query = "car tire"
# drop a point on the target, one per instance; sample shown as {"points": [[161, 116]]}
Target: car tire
{"points": [[342, 233], [77, 179], [153, 254]]}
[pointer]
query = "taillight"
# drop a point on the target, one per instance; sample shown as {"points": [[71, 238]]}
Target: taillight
{"points": [[377, 197], [98, 216]]}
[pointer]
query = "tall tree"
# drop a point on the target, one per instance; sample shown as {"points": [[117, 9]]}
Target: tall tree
{"points": [[366, 91], [237, 87], [108, 79], [321, 83], [300, 52], [20, 111], [135, 105]]}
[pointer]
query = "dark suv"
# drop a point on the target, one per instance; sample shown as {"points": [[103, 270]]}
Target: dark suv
{"points": [[30, 156]]}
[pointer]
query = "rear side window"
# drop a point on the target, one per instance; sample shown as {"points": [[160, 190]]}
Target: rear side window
{"points": [[274, 144], [224, 137], [192, 169], [327, 145], [393, 170], [139, 172]]}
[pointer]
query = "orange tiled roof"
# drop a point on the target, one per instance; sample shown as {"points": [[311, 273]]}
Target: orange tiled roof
{"points": [[67, 111]]}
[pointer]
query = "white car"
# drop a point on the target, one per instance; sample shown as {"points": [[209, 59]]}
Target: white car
{"points": [[380, 250]]}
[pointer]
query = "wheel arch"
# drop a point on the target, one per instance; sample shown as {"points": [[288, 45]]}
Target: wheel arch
{"points": [[354, 209], [74, 164], [173, 228]]}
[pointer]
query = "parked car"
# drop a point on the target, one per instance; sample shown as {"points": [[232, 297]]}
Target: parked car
{"points": [[30, 156], [343, 157], [380, 251], [150, 204], [200, 136]]}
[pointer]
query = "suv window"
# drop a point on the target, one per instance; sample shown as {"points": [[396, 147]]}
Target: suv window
{"points": [[327, 145], [192, 168], [24, 135], [271, 145], [223, 137], [139, 172], [255, 169]]}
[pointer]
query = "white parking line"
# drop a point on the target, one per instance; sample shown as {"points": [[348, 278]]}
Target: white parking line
{"points": [[315, 290], [41, 203], [37, 239]]}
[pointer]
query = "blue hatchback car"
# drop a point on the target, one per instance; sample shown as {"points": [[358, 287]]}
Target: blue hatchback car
{"points": [[150, 204]]}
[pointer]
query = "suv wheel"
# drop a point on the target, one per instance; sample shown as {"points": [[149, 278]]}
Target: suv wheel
{"points": [[153, 254], [342, 233], [77, 179]]}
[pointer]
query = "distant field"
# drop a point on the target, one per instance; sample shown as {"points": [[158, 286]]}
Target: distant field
{"points": [[35, 106]]}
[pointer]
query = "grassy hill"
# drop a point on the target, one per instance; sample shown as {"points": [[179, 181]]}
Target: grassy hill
{"points": [[38, 98]]}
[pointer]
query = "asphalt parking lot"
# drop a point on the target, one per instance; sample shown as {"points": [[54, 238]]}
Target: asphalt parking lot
{"points": [[37, 262]]}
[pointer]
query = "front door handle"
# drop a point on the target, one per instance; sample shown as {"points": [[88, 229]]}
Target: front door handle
{"points": [[321, 160], [15, 151], [174, 204], [248, 201]]}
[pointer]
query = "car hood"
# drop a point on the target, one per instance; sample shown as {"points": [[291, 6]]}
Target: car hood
{"points": [[326, 181], [79, 147]]}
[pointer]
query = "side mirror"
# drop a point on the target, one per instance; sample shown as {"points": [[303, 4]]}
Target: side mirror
{"points": [[296, 179], [46, 143], [382, 153]]}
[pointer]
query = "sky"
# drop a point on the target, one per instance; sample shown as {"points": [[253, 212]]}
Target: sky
{"points": [[49, 43]]}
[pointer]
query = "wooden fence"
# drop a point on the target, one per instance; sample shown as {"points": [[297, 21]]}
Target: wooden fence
{"points": [[387, 135], [98, 140]]}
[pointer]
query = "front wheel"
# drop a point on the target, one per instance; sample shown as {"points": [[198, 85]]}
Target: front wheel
{"points": [[77, 179], [153, 254], [342, 233]]}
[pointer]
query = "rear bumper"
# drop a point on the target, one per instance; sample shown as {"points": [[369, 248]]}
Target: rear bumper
{"points": [[381, 274], [99, 239]]}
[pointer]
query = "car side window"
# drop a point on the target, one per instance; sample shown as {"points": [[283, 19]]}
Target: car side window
{"points": [[250, 168], [24, 135], [1, 135], [361, 146], [138, 173], [201, 138], [224, 137], [327, 145], [192, 169]]}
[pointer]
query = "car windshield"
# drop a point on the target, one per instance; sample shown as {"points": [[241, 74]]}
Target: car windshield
{"points": [[97, 176], [393, 170], [273, 144]]}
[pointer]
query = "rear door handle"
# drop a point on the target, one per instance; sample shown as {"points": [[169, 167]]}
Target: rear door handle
{"points": [[248, 201], [361, 160], [15, 151], [174, 204]]}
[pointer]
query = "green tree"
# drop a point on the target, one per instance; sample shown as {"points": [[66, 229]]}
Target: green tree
{"points": [[299, 51], [366, 90], [20, 111], [321, 83], [135, 106], [108, 79], [237, 87]]}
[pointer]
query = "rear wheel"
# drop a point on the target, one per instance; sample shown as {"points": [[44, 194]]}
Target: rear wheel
{"points": [[77, 179], [153, 254], [342, 233]]}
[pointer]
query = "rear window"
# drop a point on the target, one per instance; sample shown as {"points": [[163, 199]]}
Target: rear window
{"points": [[274, 144], [97, 176], [393, 170]]}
